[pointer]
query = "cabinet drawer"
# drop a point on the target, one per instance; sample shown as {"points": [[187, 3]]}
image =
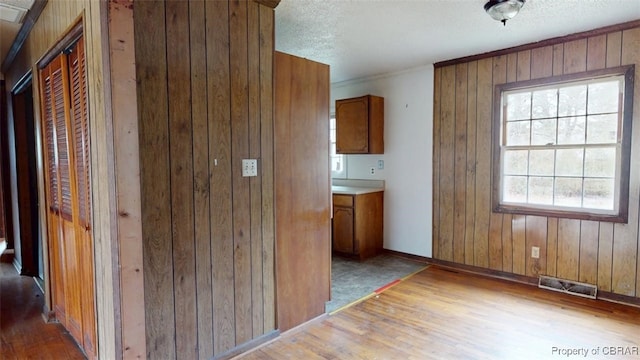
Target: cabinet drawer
{"points": [[343, 200]]}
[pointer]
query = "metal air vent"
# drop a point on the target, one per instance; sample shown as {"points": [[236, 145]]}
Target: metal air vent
{"points": [[567, 286]]}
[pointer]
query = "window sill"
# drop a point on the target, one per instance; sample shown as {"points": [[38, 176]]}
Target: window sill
{"points": [[622, 218]]}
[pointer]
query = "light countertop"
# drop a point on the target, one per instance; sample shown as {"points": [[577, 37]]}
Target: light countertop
{"points": [[354, 190], [356, 186]]}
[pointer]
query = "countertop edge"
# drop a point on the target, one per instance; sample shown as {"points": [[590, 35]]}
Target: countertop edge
{"points": [[354, 190]]}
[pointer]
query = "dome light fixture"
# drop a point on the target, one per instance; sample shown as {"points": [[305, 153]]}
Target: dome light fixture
{"points": [[503, 10]]}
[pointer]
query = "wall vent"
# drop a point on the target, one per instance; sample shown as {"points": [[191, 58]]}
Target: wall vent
{"points": [[567, 286]]}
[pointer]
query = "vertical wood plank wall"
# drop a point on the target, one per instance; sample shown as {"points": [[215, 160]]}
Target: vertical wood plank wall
{"points": [[466, 231], [56, 18], [120, 92], [205, 102]]}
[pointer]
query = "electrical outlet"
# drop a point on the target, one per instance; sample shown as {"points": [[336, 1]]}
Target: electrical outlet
{"points": [[249, 167], [372, 170], [535, 252]]}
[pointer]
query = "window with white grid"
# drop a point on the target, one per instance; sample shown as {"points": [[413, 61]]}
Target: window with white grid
{"points": [[338, 161], [564, 146]]}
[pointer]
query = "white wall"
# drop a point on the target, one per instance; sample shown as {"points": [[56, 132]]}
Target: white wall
{"points": [[408, 145]]}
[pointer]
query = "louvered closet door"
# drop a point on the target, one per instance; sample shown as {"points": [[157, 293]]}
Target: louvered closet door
{"points": [[66, 153], [54, 220], [80, 139], [64, 213]]}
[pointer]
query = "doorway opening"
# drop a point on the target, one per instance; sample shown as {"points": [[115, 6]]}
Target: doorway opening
{"points": [[6, 230], [23, 201], [359, 268]]}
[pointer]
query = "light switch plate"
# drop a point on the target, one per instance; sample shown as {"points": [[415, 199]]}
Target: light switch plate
{"points": [[535, 252], [249, 167]]}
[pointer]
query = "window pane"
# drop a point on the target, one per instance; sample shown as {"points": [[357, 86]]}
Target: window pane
{"points": [[541, 190], [602, 129], [541, 162], [569, 162], [518, 133], [515, 162], [572, 100], [598, 193], [544, 104], [519, 106], [571, 130], [600, 162], [561, 146], [568, 192], [603, 97], [515, 189], [337, 161], [543, 132]]}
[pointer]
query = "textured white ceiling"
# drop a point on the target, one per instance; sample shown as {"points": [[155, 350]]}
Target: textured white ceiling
{"points": [[8, 30], [360, 38]]}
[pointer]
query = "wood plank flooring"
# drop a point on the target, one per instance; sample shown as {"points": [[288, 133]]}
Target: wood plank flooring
{"points": [[442, 314], [23, 332]]}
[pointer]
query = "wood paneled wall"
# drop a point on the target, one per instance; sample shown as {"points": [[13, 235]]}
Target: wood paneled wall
{"points": [[56, 19], [466, 231], [205, 102], [120, 92]]}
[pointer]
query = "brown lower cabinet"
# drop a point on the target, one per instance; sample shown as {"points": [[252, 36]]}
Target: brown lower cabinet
{"points": [[357, 224]]}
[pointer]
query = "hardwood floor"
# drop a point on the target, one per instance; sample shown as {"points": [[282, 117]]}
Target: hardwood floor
{"points": [[442, 314], [23, 332], [435, 314]]}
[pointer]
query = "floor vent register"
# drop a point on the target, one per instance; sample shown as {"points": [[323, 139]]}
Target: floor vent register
{"points": [[568, 286]]}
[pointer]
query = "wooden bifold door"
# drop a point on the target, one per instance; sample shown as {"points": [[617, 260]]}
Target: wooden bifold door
{"points": [[68, 194]]}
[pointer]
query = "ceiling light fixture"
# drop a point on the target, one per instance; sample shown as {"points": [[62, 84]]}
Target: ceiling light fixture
{"points": [[503, 10]]}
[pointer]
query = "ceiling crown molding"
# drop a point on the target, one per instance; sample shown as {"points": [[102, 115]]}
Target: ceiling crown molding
{"points": [[548, 42], [270, 3]]}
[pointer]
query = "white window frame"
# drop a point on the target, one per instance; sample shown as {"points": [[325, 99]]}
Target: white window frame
{"points": [[341, 158], [623, 147]]}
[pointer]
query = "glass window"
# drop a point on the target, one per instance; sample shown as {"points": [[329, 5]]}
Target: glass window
{"points": [[338, 161], [563, 146]]}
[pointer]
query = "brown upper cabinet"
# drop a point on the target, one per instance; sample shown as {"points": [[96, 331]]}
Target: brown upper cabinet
{"points": [[360, 125]]}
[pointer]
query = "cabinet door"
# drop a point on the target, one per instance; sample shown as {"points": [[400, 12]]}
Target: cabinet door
{"points": [[343, 229], [352, 126]]}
